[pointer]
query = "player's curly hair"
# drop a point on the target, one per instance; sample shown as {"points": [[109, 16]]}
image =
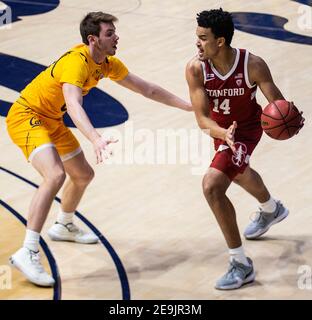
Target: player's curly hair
{"points": [[220, 22], [90, 25]]}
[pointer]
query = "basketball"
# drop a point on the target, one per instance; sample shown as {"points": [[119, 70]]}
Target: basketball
{"points": [[281, 120]]}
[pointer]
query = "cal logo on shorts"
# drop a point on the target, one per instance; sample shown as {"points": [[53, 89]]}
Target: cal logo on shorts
{"points": [[34, 122]]}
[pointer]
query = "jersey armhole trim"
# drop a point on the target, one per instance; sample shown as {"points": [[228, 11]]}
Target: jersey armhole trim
{"points": [[204, 71], [249, 85]]}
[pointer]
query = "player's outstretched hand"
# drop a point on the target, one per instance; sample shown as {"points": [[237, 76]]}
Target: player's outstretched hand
{"points": [[187, 106], [101, 148], [229, 136]]}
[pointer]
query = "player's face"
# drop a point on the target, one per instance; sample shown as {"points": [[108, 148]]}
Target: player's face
{"points": [[207, 44], [107, 41]]}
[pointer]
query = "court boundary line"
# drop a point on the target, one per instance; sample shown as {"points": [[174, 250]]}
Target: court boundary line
{"points": [[57, 288], [117, 261]]}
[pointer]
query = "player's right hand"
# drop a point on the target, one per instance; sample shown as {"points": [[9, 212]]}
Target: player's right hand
{"points": [[302, 118], [229, 136], [100, 146], [301, 122]]}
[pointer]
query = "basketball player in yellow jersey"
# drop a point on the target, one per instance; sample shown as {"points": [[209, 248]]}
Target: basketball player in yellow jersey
{"points": [[35, 124]]}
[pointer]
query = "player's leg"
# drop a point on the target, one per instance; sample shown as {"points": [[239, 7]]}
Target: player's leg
{"points": [[48, 163], [80, 175], [215, 183], [271, 211], [31, 134], [252, 182]]}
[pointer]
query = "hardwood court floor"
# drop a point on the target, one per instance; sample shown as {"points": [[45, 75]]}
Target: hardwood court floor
{"points": [[154, 215]]}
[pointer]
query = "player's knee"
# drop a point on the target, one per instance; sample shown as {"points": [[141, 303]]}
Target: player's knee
{"points": [[56, 178], [88, 175], [84, 177], [211, 189]]}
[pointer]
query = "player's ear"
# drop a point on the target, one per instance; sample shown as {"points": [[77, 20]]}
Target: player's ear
{"points": [[221, 42], [91, 39]]}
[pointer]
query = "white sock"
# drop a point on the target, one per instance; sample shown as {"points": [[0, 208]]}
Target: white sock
{"points": [[239, 255], [269, 206], [65, 217], [31, 241]]}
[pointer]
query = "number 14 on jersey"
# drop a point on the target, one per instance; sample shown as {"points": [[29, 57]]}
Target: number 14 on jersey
{"points": [[225, 106]]}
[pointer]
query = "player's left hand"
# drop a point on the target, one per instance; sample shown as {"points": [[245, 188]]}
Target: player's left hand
{"points": [[101, 148], [106, 151]]}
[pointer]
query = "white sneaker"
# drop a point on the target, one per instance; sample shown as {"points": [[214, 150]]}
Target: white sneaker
{"points": [[70, 232], [28, 262]]}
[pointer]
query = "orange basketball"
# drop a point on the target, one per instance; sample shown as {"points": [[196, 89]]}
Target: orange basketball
{"points": [[281, 120]]}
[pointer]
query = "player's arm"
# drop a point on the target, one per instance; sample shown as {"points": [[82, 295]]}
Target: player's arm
{"points": [[199, 100], [73, 100], [152, 91], [260, 74]]}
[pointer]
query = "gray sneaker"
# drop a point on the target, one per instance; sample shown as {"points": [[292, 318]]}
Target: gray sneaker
{"points": [[265, 220], [237, 275]]}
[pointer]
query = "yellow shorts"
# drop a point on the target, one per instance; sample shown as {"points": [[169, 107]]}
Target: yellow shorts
{"points": [[33, 132]]}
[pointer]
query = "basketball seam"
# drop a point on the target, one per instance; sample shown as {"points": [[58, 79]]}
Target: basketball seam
{"points": [[285, 123], [270, 116], [285, 128]]}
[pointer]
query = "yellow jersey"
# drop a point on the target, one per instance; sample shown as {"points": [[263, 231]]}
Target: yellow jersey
{"points": [[44, 94]]}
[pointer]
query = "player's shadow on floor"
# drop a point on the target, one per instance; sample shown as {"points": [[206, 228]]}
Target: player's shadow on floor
{"points": [[288, 254], [294, 245], [276, 267]]}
